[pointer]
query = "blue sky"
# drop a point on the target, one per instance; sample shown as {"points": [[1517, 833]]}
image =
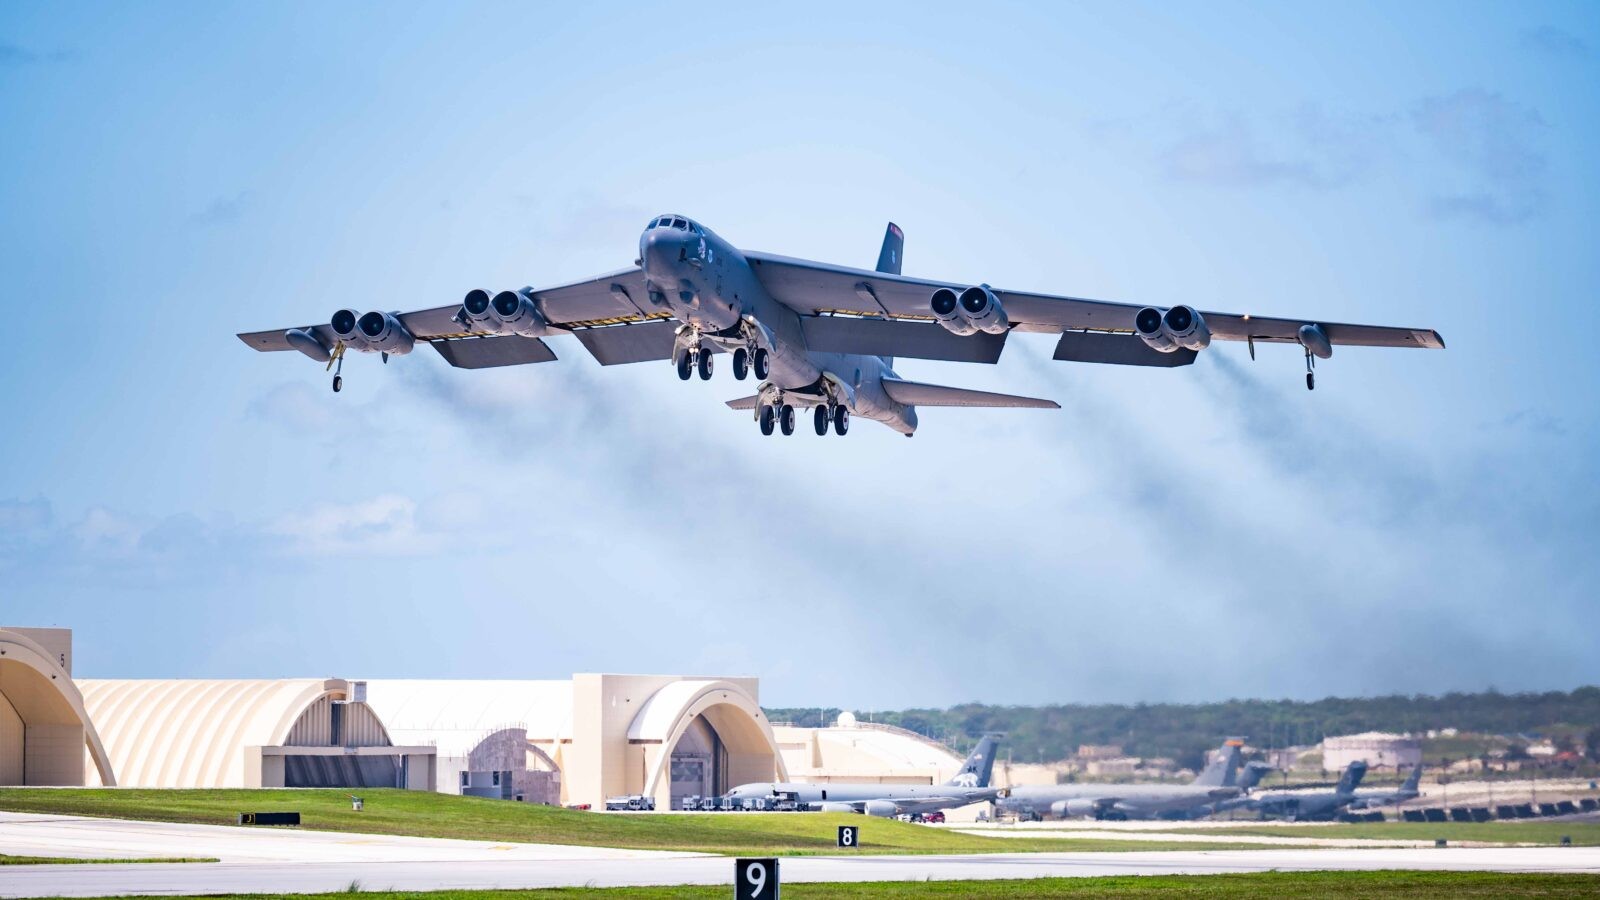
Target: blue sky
{"points": [[173, 174]]}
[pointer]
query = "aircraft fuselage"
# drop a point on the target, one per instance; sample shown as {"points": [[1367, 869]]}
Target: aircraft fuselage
{"points": [[709, 286]]}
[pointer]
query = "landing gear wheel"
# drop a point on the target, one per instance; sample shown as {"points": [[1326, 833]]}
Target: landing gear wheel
{"points": [[841, 420], [741, 364], [763, 363], [821, 420], [338, 383], [685, 363], [786, 419], [1311, 382], [767, 418], [704, 364]]}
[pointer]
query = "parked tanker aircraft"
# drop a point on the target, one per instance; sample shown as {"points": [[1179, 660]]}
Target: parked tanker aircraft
{"points": [[816, 336], [1129, 801], [970, 785]]}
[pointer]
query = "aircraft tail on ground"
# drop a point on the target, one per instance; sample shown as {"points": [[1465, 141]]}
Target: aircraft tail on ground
{"points": [[979, 766], [894, 246], [1412, 780], [1252, 774], [1221, 771], [1352, 776]]}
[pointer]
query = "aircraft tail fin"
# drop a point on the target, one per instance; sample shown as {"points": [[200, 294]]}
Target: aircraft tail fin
{"points": [[1412, 780], [979, 765], [1220, 771], [1252, 774], [894, 246], [1352, 776]]}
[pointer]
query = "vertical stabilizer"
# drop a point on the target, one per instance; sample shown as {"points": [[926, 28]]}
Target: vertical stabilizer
{"points": [[1220, 772], [894, 248], [1352, 776], [979, 766], [1412, 780]]}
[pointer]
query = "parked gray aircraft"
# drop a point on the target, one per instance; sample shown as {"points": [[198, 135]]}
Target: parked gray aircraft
{"points": [[815, 335], [1304, 805], [1375, 798], [1127, 801], [970, 785]]}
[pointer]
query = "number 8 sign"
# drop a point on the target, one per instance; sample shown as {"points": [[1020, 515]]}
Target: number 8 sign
{"points": [[755, 879], [849, 836]]}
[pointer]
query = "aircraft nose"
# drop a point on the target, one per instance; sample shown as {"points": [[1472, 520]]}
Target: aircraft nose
{"points": [[662, 248]]}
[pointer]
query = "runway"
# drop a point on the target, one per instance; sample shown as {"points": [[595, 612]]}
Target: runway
{"points": [[274, 861]]}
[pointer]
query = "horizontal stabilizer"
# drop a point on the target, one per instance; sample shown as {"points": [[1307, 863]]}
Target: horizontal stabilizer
{"points": [[915, 393], [493, 352], [900, 338], [618, 344], [1117, 350]]}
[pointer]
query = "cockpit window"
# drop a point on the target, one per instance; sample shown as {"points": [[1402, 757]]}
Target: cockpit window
{"points": [[680, 224]]}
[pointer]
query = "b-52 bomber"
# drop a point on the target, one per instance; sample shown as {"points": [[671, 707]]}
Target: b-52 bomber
{"points": [[815, 336]]}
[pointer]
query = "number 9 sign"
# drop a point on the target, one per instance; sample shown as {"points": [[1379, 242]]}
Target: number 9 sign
{"points": [[755, 879]]}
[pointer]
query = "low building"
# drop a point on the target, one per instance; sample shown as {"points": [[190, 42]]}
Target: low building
{"points": [[1379, 750], [582, 740], [46, 734]]}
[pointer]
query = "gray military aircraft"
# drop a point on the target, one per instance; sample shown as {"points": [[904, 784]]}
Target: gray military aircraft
{"points": [[1307, 805], [970, 785], [1408, 790], [1128, 801], [815, 335]]}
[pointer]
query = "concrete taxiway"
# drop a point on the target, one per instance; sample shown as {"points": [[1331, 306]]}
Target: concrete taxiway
{"points": [[284, 861]]}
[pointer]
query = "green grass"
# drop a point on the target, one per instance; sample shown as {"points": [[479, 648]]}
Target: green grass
{"points": [[1264, 884], [426, 814], [64, 860], [1583, 834]]}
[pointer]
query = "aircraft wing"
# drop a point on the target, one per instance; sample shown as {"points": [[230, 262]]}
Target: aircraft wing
{"points": [[898, 306], [609, 314], [915, 393]]}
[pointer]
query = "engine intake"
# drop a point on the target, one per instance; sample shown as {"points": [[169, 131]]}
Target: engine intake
{"points": [[1147, 324], [982, 308], [1186, 327], [343, 323], [946, 306], [517, 314], [475, 306], [883, 809], [385, 334]]}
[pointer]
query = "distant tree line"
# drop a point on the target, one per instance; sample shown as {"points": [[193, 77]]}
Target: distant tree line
{"points": [[1185, 731]]}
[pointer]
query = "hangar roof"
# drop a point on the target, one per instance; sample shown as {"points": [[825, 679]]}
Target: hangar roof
{"points": [[192, 732], [455, 715]]}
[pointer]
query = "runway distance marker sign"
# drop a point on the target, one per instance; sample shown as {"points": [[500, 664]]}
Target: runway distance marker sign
{"points": [[755, 879]]}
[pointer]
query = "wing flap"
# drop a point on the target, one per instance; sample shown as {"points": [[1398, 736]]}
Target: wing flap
{"points": [[915, 393], [1116, 349], [620, 344], [494, 352], [886, 337]]}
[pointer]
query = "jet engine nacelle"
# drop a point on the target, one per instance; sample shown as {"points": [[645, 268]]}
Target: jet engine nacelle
{"points": [[836, 807], [1186, 327], [1074, 809], [946, 306], [345, 328], [385, 334], [517, 314], [982, 308], [883, 809], [1147, 324], [475, 307]]}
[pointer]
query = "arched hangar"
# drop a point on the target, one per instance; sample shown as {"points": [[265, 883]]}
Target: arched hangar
{"points": [[47, 737]]}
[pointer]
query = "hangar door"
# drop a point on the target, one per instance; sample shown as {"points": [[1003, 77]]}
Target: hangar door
{"points": [[699, 763]]}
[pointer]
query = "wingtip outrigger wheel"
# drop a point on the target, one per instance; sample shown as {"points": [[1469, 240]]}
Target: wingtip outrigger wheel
{"points": [[1311, 377], [336, 362]]}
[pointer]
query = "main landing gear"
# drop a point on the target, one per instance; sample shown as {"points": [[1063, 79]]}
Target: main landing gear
{"points": [[693, 360], [838, 415], [780, 417], [757, 360]]}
